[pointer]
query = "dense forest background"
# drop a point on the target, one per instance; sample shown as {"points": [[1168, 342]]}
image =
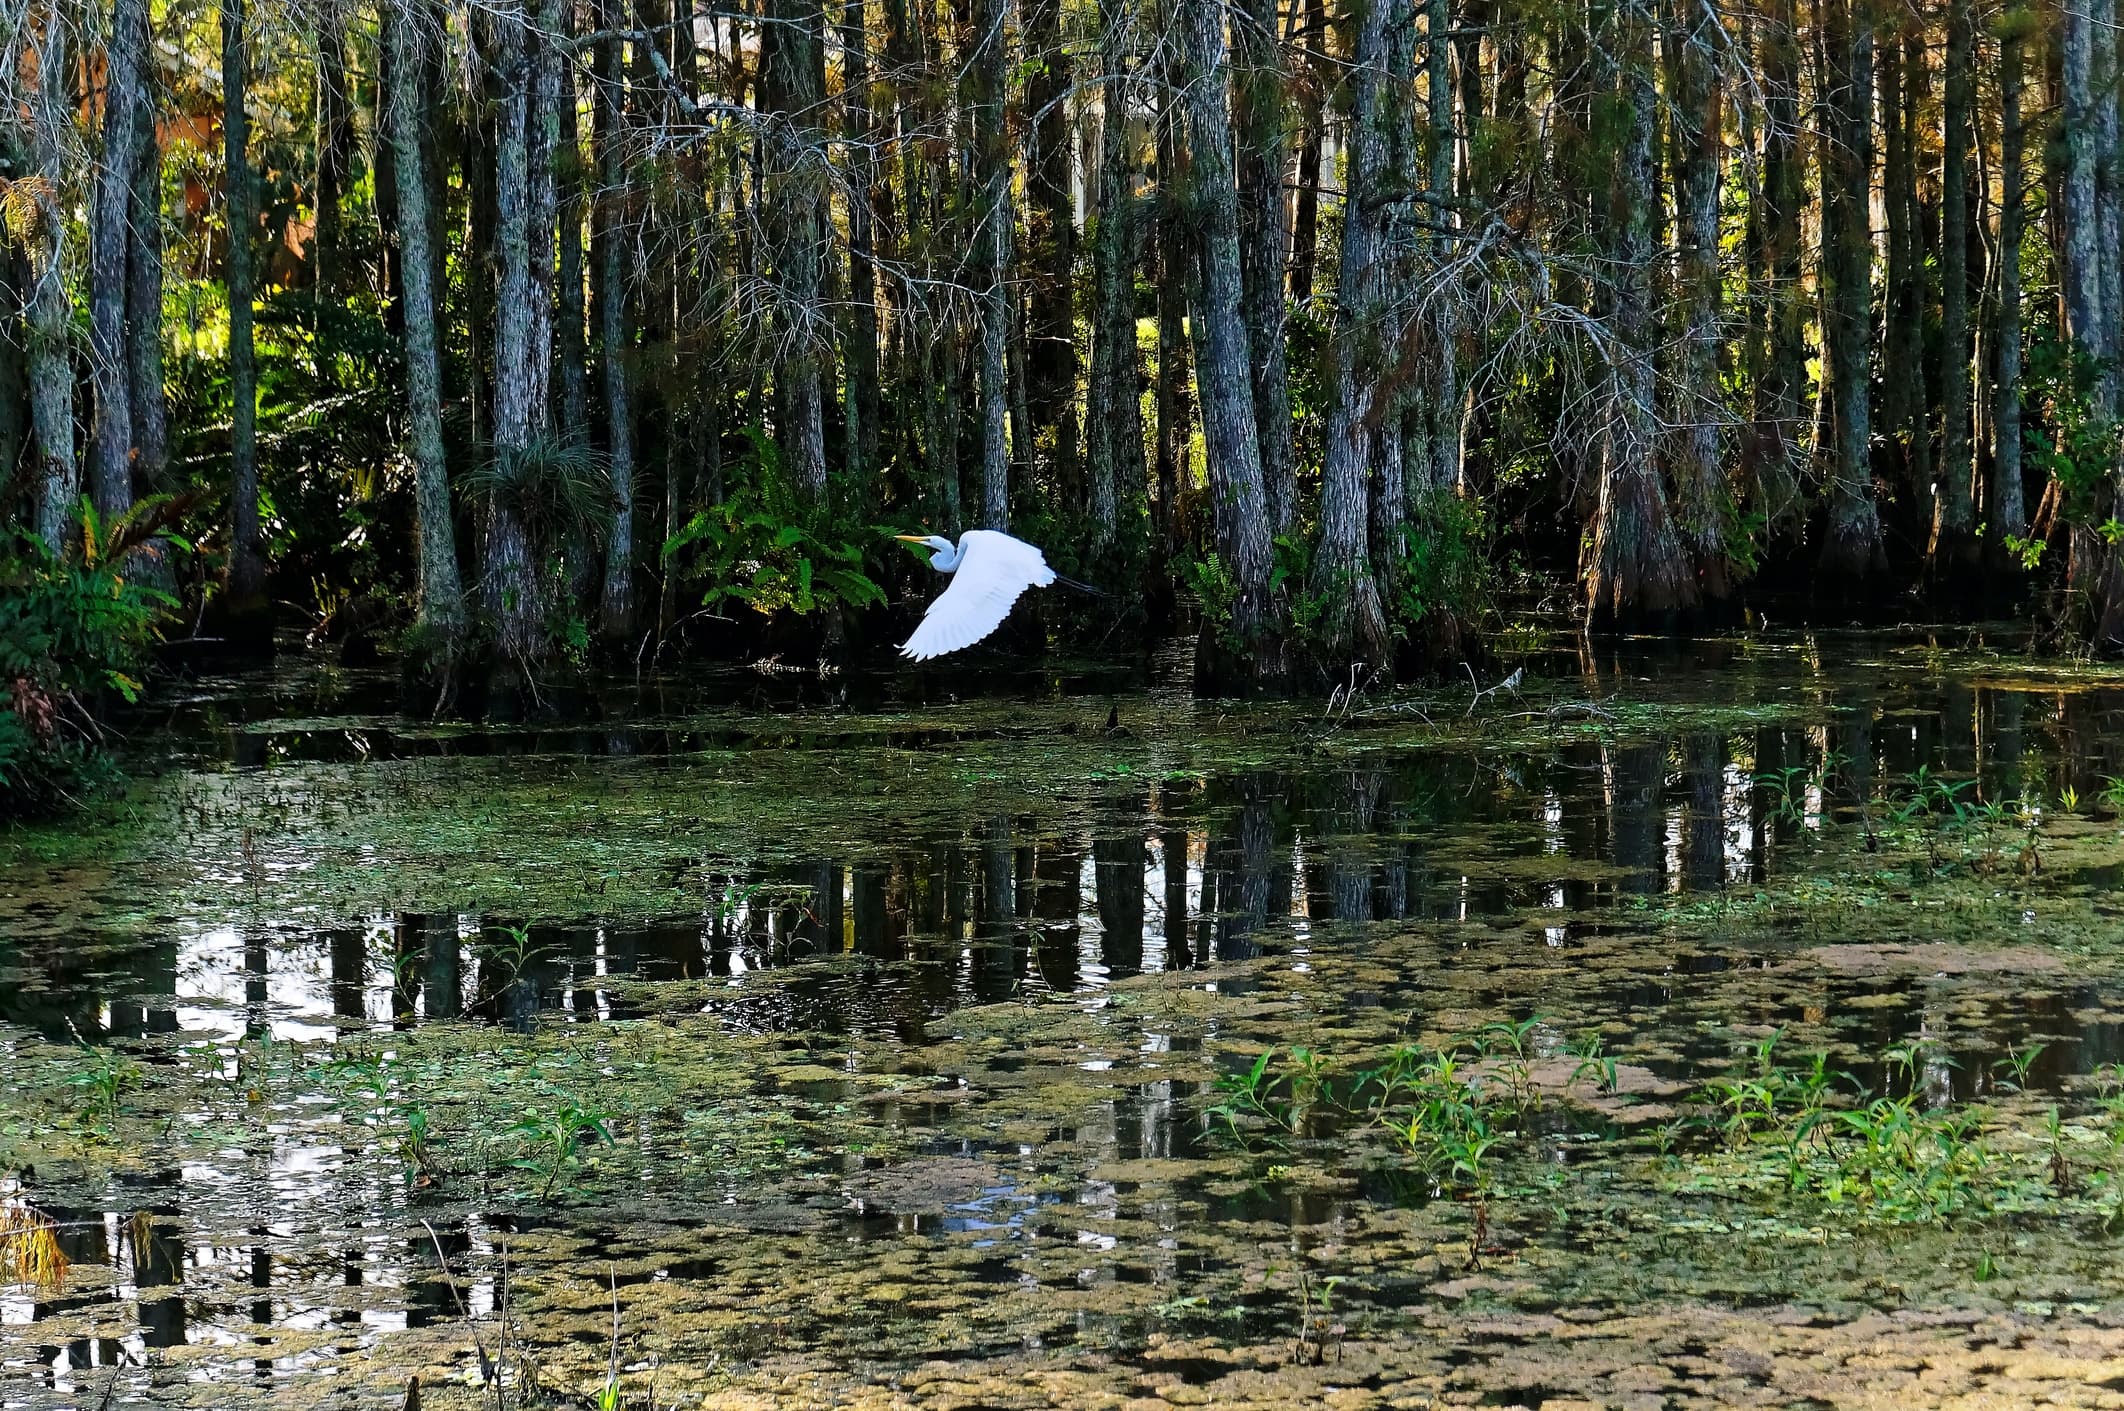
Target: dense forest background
{"points": [[523, 332]]}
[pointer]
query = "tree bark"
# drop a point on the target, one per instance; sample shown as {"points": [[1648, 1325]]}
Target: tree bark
{"points": [[614, 341], [1851, 547], [143, 297], [335, 144], [792, 89], [1905, 412], [1223, 350], [2006, 506], [1954, 514], [1342, 565], [246, 544], [110, 465], [1305, 203], [50, 341], [1264, 237], [1701, 500], [1051, 247], [510, 578], [1780, 381], [1176, 275], [1636, 569], [440, 609], [860, 361], [1442, 445], [572, 175], [987, 70], [1114, 400]]}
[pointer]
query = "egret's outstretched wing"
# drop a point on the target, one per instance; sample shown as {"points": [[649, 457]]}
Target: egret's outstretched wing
{"points": [[994, 569]]}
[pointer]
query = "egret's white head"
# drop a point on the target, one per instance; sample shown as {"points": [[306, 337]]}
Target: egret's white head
{"points": [[943, 555]]}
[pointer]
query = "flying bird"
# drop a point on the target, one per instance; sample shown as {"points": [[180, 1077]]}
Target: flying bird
{"points": [[989, 571]]}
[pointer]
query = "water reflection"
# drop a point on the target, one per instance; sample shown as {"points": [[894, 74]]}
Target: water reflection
{"points": [[885, 934]]}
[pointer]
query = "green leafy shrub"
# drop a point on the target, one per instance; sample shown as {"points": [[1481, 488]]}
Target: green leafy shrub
{"points": [[70, 634], [766, 549]]}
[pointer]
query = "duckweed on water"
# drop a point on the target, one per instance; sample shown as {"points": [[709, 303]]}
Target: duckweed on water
{"points": [[1358, 1063]]}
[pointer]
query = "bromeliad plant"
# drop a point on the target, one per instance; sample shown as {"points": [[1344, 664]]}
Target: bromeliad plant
{"points": [[73, 631]]}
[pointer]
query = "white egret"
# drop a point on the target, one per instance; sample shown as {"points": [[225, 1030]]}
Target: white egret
{"points": [[989, 571]]}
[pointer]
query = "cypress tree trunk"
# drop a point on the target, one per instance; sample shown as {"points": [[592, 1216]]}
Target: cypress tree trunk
{"points": [[861, 358], [986, 69], [571, 174], [510, 576], [1851, 547], [1442, 445], [1780, 383], [1305, 205], [14, 384], [440, 614], [2007, 508], [1114, 402], [1954, 508], [246, 547], [1222, 373], [1264, 236], [1635, 567], [1051, 255], [1701, 503], [2078, 234], [111, 470], [335, 142], [616, 613], [1176, 274], [1905, 413], [50, 342], [1342, 565], [791, 89], [143, 297]]}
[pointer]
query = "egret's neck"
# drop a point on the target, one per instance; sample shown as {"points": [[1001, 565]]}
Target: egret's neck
{"points": [[945, 560]]}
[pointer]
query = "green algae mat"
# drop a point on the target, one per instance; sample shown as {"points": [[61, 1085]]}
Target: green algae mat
{"points": [[1734, 1030]]}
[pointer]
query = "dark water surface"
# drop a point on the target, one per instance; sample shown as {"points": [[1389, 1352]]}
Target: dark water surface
{"points": [[862, 877]]}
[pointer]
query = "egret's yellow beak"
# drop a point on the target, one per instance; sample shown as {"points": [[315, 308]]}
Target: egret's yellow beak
{"points": [[911, 538]]}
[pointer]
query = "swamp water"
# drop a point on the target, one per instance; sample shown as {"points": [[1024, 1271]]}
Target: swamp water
{"points": [[1730, 1030]]}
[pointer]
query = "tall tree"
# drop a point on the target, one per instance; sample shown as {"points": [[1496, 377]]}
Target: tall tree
{"points": [[1635, 565], [512, 590], [1779, 373], [1342, 564], [987, 71], [111, 469], [334, 143], [1051, 246], [1223, 378], [246, 542], [2006, 507], [1262, 86], [861, 399], [1701, 502], [1114, 402], [1851, 546], [50, 341], [440, 611], [792, 91], [1954, 512], [143, 306], [614, 351]]}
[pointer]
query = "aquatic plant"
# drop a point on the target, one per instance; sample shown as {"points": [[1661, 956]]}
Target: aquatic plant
{"points": [[550, 1139]]}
